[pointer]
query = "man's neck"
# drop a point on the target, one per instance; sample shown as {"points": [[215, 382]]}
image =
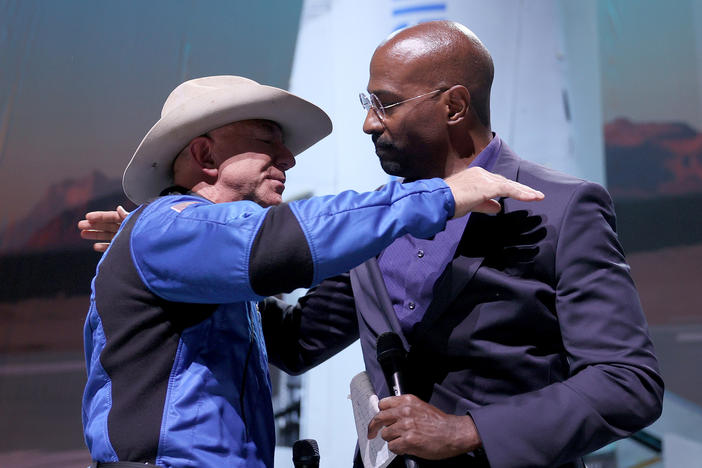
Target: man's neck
{"points": [[481, 140], [461, 160]]}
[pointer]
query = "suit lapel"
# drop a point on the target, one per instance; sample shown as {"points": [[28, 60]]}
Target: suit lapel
{"points": [[507, 163], [470, 253], [369, 285], [454, 278], [370, 288]]}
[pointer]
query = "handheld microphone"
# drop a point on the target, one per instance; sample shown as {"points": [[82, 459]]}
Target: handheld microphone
{"points": [[305, 454], [391, 357]]}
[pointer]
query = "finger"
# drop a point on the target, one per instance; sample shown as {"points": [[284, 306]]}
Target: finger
{"points": [[389, 434], [100, 246], [86, 225], [489, 206], [98, 226], [104, 217], [384, 418], [395, 401], [91, 234], [522, 192], [373, 428], [508, 188], [397, 446], [386, 403], [395, 430], [375, 425], [122, 212]]}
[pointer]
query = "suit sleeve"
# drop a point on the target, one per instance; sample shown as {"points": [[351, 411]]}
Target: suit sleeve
{"points": [[614, 387], [322, 323], [188, 249]]}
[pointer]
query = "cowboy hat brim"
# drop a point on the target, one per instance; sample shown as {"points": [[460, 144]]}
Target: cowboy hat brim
{"points": [[150, 169]]}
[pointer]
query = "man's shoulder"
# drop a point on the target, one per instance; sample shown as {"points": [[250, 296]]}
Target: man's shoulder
{"points": [[539, 176], [529, 171], [560, 188], [192, 207], [174, 199], [162, 210], [173, 204]]}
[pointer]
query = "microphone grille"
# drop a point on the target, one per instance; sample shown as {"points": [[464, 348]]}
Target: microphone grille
{"points": [[389, 345], [305, 450]]}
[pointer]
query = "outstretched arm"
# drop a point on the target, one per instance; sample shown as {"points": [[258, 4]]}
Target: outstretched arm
{"points": [[473, 190], [476, 190]]}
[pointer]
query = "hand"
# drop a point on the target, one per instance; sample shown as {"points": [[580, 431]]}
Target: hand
{"points": [[101, 226], [474, 189], [413, 427]]}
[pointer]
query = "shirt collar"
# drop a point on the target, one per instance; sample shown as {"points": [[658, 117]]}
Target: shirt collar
{"points": [[487, 157]]}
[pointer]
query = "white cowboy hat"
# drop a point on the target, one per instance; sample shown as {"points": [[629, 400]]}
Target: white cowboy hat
{"points": [[203, 104]]}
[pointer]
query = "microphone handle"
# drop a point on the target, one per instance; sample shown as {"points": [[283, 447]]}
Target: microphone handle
{"points": [[396, 386], [396, 389]]}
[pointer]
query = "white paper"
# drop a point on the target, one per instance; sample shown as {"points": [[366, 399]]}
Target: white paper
{"points": [[375, 452]]}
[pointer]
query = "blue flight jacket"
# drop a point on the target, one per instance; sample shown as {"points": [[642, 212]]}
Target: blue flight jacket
{"points": [[176, 361]]}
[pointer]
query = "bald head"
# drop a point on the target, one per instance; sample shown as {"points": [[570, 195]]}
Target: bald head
{"points": [[440, 54]]}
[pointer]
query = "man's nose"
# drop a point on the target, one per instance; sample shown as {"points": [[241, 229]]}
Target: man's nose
{"points": [[284, 159], [372, 124]]}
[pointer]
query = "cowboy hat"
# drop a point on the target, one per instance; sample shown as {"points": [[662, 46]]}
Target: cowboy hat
{"points": [[203, 104]]}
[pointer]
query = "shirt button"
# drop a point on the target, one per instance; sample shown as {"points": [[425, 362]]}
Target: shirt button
{"points": [[411, 306], [420, 253]]}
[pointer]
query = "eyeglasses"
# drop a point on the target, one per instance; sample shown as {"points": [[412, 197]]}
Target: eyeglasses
{"points": [[371, 101]]}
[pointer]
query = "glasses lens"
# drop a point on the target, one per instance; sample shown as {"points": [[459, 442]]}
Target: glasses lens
{"points": [[379, 109], [365, 102]]}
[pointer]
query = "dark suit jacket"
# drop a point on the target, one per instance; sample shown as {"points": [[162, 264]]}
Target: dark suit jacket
{"points": [[536, 329]]}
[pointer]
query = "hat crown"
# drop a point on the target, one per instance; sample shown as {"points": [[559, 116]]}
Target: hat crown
{"points": [[202, 104], [198, 87]]}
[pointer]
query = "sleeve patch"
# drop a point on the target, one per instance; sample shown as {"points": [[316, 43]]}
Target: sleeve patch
{"points": [[179, 207]]}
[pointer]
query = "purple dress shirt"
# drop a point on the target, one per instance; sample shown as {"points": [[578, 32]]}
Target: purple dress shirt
{"points": [[411, 266]]}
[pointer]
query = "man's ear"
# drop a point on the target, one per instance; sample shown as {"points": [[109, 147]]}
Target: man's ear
{"points": [[458, 104], [201, 152]]}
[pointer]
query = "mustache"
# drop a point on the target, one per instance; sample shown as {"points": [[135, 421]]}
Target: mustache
{"points": [[382, 144]]}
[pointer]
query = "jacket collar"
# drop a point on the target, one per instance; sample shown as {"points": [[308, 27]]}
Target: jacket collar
{"points": [[370, 284]]}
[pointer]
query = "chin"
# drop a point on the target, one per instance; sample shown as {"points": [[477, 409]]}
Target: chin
{"points": [[392, 167], [396, 169], [269, 196], [270, 200]]}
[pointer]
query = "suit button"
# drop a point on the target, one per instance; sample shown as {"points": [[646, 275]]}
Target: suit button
{"points": [[420, 253], [411, 306]]}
